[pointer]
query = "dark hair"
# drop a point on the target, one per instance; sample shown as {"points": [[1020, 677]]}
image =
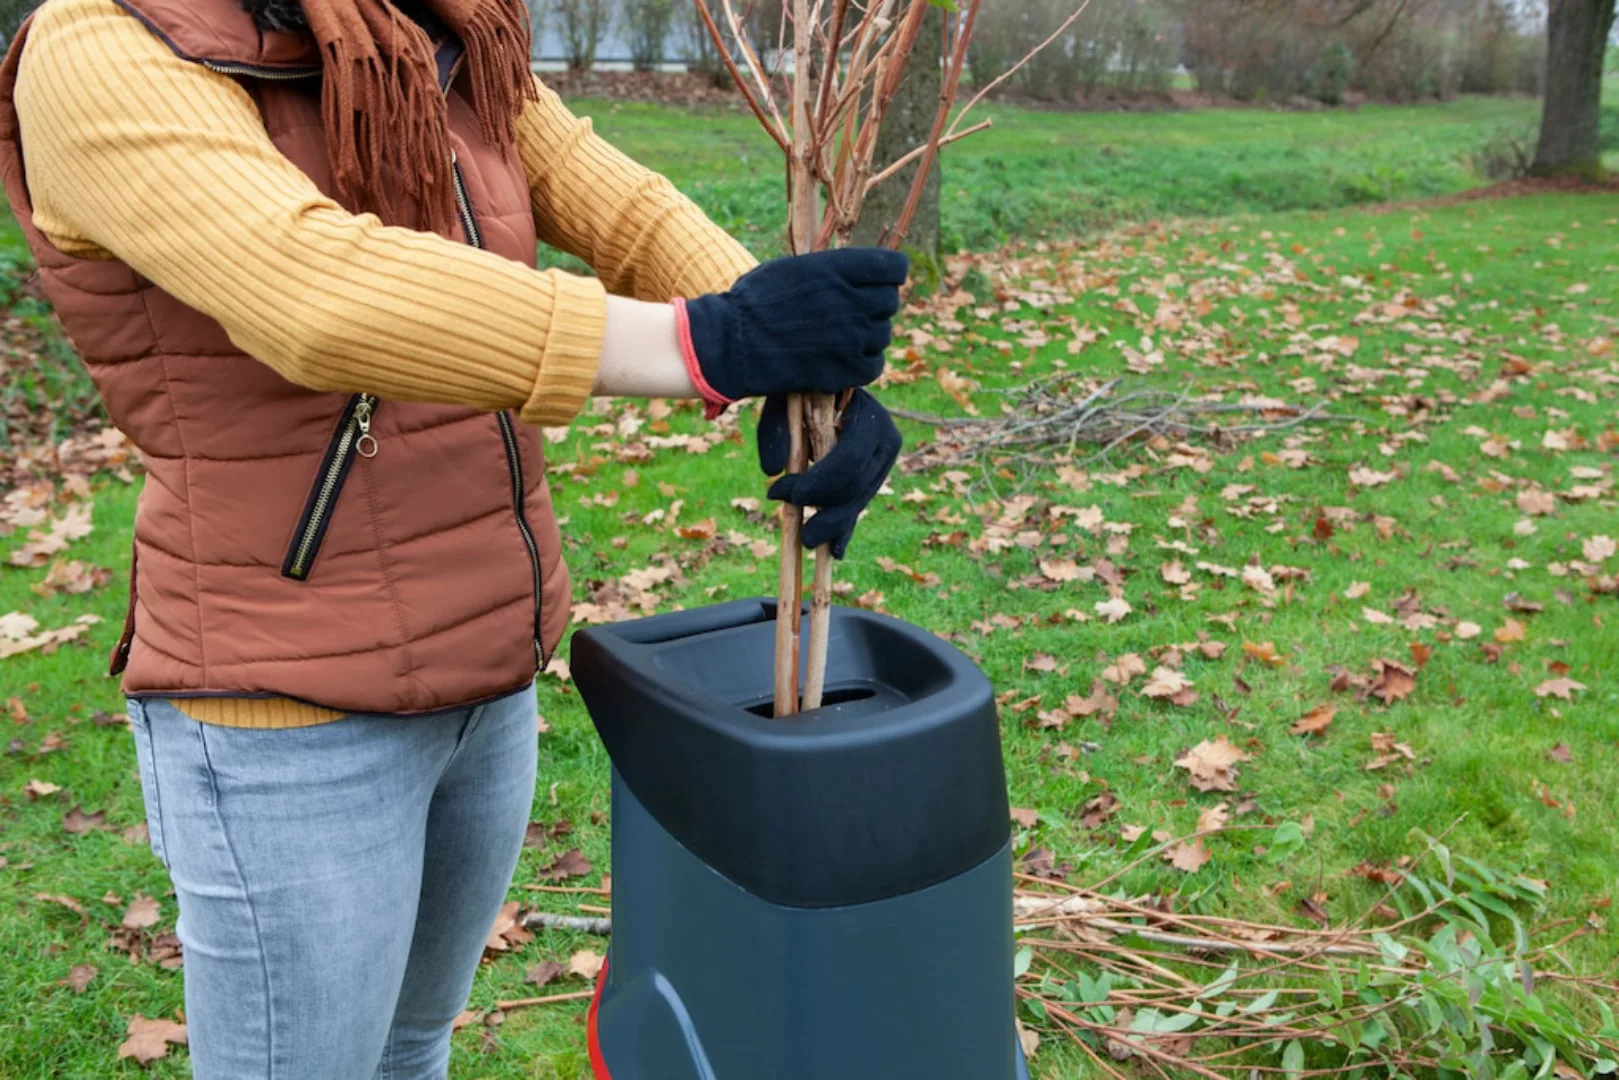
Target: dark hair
{"points": [[276, 14]]}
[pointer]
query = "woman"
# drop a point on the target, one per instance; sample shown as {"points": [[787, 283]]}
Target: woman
{"points": [[295, 245]]}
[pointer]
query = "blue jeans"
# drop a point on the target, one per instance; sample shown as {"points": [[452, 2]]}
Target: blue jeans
{"points": [[336, 883]]}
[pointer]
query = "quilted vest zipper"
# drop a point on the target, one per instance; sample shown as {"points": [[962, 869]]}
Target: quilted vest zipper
{"points": [[352, 439], [508, 435]]}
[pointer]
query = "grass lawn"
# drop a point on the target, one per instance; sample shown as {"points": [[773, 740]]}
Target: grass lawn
{"points": [[1058, 173], [1477, 335]]}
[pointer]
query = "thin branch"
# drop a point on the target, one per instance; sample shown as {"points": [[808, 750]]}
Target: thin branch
{"points": [[714, 34], [1015, 68]]}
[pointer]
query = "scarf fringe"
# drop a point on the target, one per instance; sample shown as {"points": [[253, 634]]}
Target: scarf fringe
{"points": [[386, 118]]}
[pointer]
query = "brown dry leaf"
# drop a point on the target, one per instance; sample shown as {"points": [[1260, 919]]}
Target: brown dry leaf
{"points": [[544, 972], [1098, 810], [72, 577], [77, 822], [142, 912], [1165, 683], [1259, 579], [569, 864], [36, 789], [1562, 687], [1213, 818], [1264, 652], [1467, 631], [1040, 662], [507, 929], [1599, 549], [1100, 701], [702, 530], [149, 1039], [1113, 609], [1064, 570], [466, 1016], [1562, 753], [1212, 765], [1026, 818], [1375, 617], [78, 979], [1125, 668], [74, 524], [1536, 502], [1361, 476], [1357, 589], [585, 963], [1510, 631], [1315, 721], [1394, 682], [1175, 572], [1188, 856]]}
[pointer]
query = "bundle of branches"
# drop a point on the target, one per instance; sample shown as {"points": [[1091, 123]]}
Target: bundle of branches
{"points": [[1453, 981], [848, 59], [1046, 422]]}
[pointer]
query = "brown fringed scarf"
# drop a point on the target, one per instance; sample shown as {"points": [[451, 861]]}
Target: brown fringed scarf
{"points": [[387, 125]]}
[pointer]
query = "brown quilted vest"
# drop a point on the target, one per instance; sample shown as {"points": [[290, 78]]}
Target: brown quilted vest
{"points": [[365, 555]]}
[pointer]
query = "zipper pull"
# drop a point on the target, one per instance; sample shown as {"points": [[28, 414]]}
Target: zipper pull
{"points": [[366, 445]]}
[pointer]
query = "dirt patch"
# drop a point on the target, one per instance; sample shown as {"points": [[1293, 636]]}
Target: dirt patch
{"points": [[645, 87], [1507, 189]]}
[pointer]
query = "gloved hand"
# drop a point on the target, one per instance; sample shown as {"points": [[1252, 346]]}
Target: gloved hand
{"points": [[841, 484], [807, 322]]}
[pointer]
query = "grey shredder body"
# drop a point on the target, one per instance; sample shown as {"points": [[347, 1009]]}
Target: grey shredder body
{"points": [[827, 897]]}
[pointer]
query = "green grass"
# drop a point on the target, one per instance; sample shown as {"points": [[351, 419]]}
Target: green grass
{"points": [[1504, 276], [1061, 173]]}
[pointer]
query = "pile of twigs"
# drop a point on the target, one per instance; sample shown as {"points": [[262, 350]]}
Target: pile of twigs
{"points": [[1424, 991], [1047, 421]]}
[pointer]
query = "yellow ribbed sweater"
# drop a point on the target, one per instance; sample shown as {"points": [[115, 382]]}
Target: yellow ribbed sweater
{"points": [[136, 154]]}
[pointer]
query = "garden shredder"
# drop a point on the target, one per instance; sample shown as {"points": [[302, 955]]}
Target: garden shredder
{"points": [[822, 897]]}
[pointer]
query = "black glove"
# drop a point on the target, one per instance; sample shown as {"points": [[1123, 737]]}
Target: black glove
{"points": [[841, 484], [807, 322]]}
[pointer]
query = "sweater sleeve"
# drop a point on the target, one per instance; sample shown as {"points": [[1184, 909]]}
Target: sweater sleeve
{"points": [[634, 227], [136, 154]]}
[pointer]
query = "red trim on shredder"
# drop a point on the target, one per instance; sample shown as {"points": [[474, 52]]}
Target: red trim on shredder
{"points": [[598, 1064]]}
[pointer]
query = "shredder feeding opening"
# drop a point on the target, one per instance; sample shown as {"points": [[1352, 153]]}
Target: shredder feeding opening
{"points": [[894, 785]]}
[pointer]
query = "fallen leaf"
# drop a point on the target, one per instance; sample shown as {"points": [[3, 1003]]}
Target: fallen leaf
{"points": [[1040, 662], [569, 864], [1212, 765], [1188, 855], [1264, 652], [79, 978], [149, 1039], [1510, 631], [36, 789], [1561, 753], [142, 912], [1113, 609], [1315, 721], [77, 822], [544, 972], [1125, 668], [1467, 631], [1357, 589], [1028, 819], [585, 964], [1375, 617], [1599, 549], [1394, 682], [1213, 818], [1165, 683], [1175, 572], [1563, 687], [1258, 578], [1098, 810]]}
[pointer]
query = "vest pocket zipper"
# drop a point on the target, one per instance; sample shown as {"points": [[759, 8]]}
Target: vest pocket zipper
{"points": [[514, 462], [352, 438]]}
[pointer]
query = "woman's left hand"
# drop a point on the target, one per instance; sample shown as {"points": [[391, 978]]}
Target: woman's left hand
{"points": [[843, 483]]}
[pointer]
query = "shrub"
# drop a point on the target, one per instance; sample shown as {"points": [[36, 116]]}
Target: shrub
{"points": [[583, 24], [1333, 73], [649, 22]]}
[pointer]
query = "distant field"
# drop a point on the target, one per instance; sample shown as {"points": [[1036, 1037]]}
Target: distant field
{"points": [[1047, 173]]}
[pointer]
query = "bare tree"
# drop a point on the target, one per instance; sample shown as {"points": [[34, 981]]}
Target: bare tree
{"points": [[649, 22], [583, 24], [1576, 41]]}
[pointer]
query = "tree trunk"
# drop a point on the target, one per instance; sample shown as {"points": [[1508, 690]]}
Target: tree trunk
{"points": [[1576, 39], [905, 127]]}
